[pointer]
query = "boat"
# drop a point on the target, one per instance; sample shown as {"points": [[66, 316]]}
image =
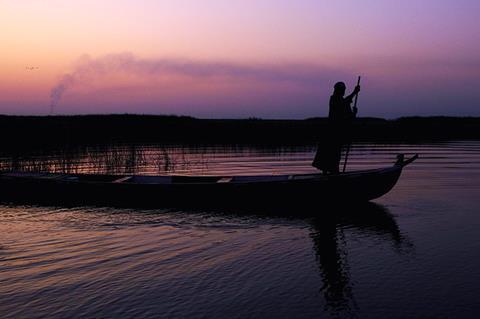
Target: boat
{"points": [[180, 190]]}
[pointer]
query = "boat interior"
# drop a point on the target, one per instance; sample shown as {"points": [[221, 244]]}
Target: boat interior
{"points": [[145, 179], [185, 179]]}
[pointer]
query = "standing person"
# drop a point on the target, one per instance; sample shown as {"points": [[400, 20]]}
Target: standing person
{"points": [[340, 116]]}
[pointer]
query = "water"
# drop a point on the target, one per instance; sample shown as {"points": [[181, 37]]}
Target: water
{"points": [[414, 253]]}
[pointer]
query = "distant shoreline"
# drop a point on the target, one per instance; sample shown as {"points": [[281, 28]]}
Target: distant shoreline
{"points": [[51, 131]]}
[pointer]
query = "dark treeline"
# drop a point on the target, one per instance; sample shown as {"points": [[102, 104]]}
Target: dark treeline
{"points": [[52, 131]]}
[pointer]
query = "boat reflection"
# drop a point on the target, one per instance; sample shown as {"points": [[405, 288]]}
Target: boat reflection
{"points": [[328, 235], [328, 228]]}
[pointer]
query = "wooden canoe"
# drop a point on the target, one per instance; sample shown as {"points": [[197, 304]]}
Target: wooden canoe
{"points": [[165, 191]]}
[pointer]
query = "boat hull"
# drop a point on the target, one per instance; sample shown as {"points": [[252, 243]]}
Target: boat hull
{"points": [[307, 189]]}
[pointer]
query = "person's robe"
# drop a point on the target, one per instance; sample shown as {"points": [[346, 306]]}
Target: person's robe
{"points": [[329, 150]]}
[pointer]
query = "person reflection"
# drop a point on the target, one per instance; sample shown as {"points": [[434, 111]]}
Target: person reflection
{"points": [[331, 253], [336, 287]]}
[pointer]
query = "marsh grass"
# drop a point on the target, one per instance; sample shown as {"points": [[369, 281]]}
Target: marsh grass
{"points": [[106, 159]]}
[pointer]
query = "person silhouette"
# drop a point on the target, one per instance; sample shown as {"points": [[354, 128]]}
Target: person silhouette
{"points": [[340, 116]]}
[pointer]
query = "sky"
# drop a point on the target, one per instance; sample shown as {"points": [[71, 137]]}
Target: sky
{"points": [[239, 58]]}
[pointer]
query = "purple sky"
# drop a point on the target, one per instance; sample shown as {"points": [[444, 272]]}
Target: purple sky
{"points": [[249, 58]]}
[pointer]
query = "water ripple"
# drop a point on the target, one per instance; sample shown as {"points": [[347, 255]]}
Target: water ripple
{"points": [[102, 262]]}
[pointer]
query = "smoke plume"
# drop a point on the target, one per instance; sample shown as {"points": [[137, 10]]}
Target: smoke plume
{"points": [[87, 69]]}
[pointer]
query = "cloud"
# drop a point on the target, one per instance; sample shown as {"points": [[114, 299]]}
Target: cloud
{"points": [[87, 69]]}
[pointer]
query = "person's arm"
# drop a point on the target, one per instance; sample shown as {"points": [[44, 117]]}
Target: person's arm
{"points": [[355, 92], [353, 110]]}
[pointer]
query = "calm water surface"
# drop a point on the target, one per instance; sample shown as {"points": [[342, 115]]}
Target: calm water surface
{"points": [[414, 253]]}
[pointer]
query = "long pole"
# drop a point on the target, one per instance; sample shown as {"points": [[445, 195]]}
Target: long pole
{"points": [[349, 144]]}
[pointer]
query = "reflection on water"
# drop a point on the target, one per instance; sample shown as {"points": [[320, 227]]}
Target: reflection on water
{"points": [[330, 247], [154, 256], [221, 159], [229, 159], [412, 254], [149, 159]]}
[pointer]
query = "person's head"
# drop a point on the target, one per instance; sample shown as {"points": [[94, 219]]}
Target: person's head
{"points": [[339, 89]]}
